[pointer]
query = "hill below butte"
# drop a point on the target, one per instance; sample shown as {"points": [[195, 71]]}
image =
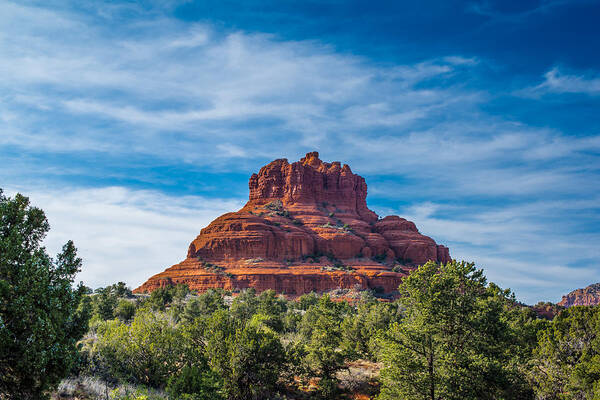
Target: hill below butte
{"points": [[588, 296], [306, 227]]}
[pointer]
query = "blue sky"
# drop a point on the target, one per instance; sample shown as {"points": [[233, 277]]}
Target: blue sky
{"points": [[134, 124]]}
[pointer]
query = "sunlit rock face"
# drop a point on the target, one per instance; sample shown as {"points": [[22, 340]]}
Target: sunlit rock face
{"points": [[588, 296], [306, 227]]}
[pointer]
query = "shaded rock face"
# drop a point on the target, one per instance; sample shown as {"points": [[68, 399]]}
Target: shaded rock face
{"points": [[588, 296], [306, 227]]}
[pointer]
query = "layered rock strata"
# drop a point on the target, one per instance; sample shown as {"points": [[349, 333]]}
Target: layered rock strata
{"points": [[306, 227], [588, 296]]}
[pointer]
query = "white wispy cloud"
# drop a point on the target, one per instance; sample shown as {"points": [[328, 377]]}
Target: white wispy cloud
{"points": [[556, 81], [123, 234], [164, 76], [520, 246]]}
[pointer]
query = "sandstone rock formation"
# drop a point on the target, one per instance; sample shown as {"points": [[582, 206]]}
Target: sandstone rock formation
{"points": [[547, 310], [588, 296], [306, 227]]}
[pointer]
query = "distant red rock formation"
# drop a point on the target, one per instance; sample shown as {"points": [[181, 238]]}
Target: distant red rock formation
{"points": [[306, 227], [588, 296], [547, 310]]}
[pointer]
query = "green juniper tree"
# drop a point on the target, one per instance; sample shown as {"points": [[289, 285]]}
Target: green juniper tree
{"points": [[246, 354], [39, 318], [452, 340], [322, 336]]}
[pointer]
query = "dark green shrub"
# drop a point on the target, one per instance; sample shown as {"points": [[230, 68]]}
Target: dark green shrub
{"points": [[160, 298], [195, 383], [125, 310], [105, 302]]}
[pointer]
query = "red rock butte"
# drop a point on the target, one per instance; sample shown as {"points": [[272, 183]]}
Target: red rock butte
{"points": [[588, 296], [306, 228]]}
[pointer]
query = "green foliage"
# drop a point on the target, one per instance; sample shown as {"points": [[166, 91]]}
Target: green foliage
{"points": [[452, 340], [160, 298], [321, 332], [524, 327], [216, 336], [213, 268], [477, 335], [247, 355], [85, 308], [180, 293], [269, 303], [106, 299], [40, 321], [313, 258], [306, 300], [105, 303], [256, 360], [194, 383], [125, 310], [204, 305], [120, 290], [337, 266], [147, 351], [398, 268], [275, 205], [139, 394], [245, 305], [567, 359], [273, 308], [291, 320], [370, 319], [212, 353]]}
